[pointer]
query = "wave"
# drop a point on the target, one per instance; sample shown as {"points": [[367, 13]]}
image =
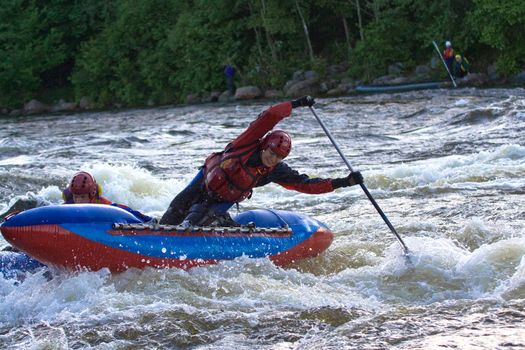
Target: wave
{"points": [[502, 165]]}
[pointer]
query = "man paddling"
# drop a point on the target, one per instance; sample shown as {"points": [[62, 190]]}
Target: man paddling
{"points": [[253, 159]]}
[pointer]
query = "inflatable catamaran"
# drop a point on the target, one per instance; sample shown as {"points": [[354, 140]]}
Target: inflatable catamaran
{"points": [[91, 236]]}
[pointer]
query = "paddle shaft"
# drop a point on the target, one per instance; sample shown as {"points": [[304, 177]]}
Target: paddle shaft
{"points": [[372, 200], [445, 63]]}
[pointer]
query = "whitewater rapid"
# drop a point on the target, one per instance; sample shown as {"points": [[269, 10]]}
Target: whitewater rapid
{"points": [[446, 166]]}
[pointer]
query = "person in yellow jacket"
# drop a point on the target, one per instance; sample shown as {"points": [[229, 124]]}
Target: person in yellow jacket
{"points": [[460, 66]]}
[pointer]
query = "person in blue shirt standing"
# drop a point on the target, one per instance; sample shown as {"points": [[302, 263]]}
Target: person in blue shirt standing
{"points": [[229, 73]]}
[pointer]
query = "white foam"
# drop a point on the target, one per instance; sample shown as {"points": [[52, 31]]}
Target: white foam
{"points": [[135, 187], [18, 160], [493, 265], [473, 169], [514, 288], [462, 102]]}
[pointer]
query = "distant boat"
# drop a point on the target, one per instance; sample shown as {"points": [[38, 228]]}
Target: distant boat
{"points": [[370, 89]]}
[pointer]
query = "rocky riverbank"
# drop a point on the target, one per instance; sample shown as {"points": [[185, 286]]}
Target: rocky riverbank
{"points": [[334, 82]]}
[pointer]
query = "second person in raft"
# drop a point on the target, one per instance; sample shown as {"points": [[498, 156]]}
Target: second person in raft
{"points": [[84, 189], [253, 159]]}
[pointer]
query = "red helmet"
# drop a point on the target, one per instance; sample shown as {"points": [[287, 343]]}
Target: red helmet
{"points": [[279, 142], [84, 183]]}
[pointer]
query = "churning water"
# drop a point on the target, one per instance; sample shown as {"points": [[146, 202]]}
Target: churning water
{"points": [[447, 168]]}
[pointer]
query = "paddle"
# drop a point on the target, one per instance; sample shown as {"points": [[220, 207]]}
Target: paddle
{"points": [[445, 63], [372, 200]]}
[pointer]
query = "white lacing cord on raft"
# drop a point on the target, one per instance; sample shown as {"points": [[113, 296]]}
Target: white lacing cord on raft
{"points": [[207, 229]]}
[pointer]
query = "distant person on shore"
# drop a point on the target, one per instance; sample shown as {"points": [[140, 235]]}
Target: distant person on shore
{"points": [[253, 159], [460, 66], [448, 54], [229, 74]]}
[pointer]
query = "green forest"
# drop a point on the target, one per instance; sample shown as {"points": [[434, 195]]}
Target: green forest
{"points": [[138, 52]]}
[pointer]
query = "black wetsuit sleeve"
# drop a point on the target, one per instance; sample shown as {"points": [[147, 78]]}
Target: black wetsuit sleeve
{"points": [[291, 179]]}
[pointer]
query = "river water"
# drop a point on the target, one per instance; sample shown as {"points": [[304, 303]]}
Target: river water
{"points": [[446, 166]]}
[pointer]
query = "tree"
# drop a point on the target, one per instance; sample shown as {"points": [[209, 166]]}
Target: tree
{"points": [[500, 25], [306, 34], [206, 36], [28, 48], [129, 62]]}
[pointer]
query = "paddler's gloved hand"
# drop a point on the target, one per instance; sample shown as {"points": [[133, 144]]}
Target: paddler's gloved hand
{"points": [[303, 102], [355, 178]]}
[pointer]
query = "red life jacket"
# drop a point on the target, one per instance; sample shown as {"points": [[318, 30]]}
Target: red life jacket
{"points": [[448, 53], [228, 178]]}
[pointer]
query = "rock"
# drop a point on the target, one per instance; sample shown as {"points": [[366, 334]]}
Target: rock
{"points": [[395, 68], [214, 96], [192, 99], [435, 63], [339, 90], [211, 97], [335, 69], [399, 80], [85, 103], [390, 80], [247, 93], [345, 86], [16, 113], [63, 106], [519, 78], [347, 80], [302, 88], [309, 75], [492, 72], [205, 99], [35, 107], [273, 94], [332, 84], [323, 88], [383, 79], [474, 79], [289, 84], [423, 70], [225, 97], [298, 75]]}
